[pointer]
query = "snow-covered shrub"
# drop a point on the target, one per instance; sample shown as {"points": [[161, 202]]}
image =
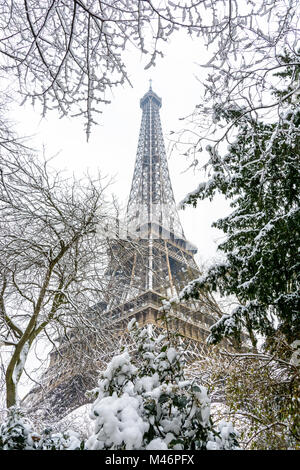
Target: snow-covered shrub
{"points": [[17, 433], [68, 440], [145, 402]]}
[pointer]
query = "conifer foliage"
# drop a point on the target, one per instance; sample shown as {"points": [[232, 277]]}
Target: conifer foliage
{"points": [[260, 174]]}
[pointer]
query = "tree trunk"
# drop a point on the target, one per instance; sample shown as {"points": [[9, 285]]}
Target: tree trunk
{"points": [[14, 372], [11, 389]]}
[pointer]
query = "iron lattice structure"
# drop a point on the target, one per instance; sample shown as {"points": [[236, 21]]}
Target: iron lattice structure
{"points": [[151, 263], [156, 257], [151, 201]]}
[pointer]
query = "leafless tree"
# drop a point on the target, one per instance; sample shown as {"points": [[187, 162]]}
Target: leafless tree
{"points": [[69, 54], [254, 50], [10, 142], [258, 391], [53, 255]]}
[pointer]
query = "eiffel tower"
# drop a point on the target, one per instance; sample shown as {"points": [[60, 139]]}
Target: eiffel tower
{"points": [[150, 262], [157, 259]]}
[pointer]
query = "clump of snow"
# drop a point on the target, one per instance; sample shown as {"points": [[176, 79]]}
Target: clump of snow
{"points": [[118, 424], [157, 444], [295, 358]]}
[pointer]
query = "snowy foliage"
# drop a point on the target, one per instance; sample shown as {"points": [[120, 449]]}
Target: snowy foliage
{"points": [[145, 402], [68, 440], [260, 174], [17, 433]]}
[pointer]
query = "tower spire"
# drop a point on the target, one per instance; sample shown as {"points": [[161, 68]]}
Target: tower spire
{"points": [[151, 209]]}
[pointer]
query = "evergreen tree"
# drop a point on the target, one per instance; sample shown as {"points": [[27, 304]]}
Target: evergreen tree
{"points": [[260, 173]]}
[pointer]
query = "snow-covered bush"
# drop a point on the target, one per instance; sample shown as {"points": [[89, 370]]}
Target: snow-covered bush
{"points": [[144, 402], [68, 440], [17, 433]]}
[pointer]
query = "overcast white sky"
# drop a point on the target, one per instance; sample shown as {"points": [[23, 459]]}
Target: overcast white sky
{"points": [[112, 146]]}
